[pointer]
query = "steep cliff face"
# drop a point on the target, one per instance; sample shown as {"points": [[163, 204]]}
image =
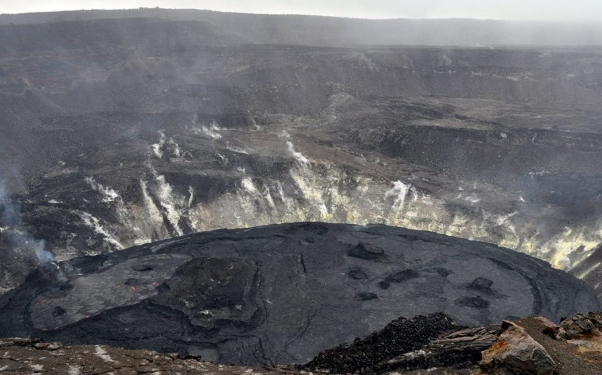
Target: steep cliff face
{"points": [[135, 130]]}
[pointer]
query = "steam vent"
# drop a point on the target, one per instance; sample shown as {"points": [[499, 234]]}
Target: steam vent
{"points": [[280, 294]]}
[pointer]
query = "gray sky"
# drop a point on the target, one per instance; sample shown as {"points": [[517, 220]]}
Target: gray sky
{"points": [[562, 10]]}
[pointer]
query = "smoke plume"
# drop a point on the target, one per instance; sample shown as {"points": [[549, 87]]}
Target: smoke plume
{"points": [[11, 227]]}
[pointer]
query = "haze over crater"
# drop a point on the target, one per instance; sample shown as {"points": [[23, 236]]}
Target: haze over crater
{"points": [[127, 127]]}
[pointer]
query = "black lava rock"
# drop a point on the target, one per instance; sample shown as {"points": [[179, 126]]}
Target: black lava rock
{"points": [[401, 276], [357, 274], [481, 283], [256, 297], [477, 302], [366, 296], [366, 251], [400, 336]]}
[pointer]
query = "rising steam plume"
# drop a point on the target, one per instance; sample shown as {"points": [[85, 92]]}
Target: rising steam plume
{"points": [[11, 227]]}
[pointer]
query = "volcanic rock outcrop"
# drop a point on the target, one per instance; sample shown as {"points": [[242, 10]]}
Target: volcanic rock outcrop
{"points": [[436, 345], [282, 293]]}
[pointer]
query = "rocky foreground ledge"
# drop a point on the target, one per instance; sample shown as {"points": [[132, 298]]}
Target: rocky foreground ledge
{"points": [[431, 344], [533, 346], [281, 294]]}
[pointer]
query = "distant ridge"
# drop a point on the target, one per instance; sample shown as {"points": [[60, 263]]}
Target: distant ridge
{"points": [[329, 31]]}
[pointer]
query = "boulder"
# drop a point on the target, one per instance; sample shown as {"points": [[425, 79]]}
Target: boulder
{"points": [[579, 326], [584, 332], [516, 353]]}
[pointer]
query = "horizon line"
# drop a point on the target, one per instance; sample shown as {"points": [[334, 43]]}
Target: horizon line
{"points": [[305, 15]]}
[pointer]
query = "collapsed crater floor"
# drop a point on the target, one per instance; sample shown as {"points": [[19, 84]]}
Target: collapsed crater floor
{"points": [[281, 293]]}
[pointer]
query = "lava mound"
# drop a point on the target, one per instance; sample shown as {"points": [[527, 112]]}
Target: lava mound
{"points": [[281, 294]]}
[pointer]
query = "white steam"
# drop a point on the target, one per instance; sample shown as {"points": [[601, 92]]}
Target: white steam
{"points": [[166, 146], [94, 223], [211, 130], [107, 193], [297, 155], [15, 233], [399, 193], [315, 190], [157, 147]]}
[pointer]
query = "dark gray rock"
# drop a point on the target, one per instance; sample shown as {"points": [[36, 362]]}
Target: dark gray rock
{"points": [[366, 296], [357, 273], [367, 355], [366, 251], [481, 284], [476, 302], [258, 296], [423, 342], [401, 276]]}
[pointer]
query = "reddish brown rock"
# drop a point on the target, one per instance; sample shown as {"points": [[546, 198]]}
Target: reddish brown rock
{"points": [[516, 353]]}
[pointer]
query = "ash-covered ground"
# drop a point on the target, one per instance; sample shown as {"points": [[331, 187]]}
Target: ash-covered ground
{"points": [[121, 128]]}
